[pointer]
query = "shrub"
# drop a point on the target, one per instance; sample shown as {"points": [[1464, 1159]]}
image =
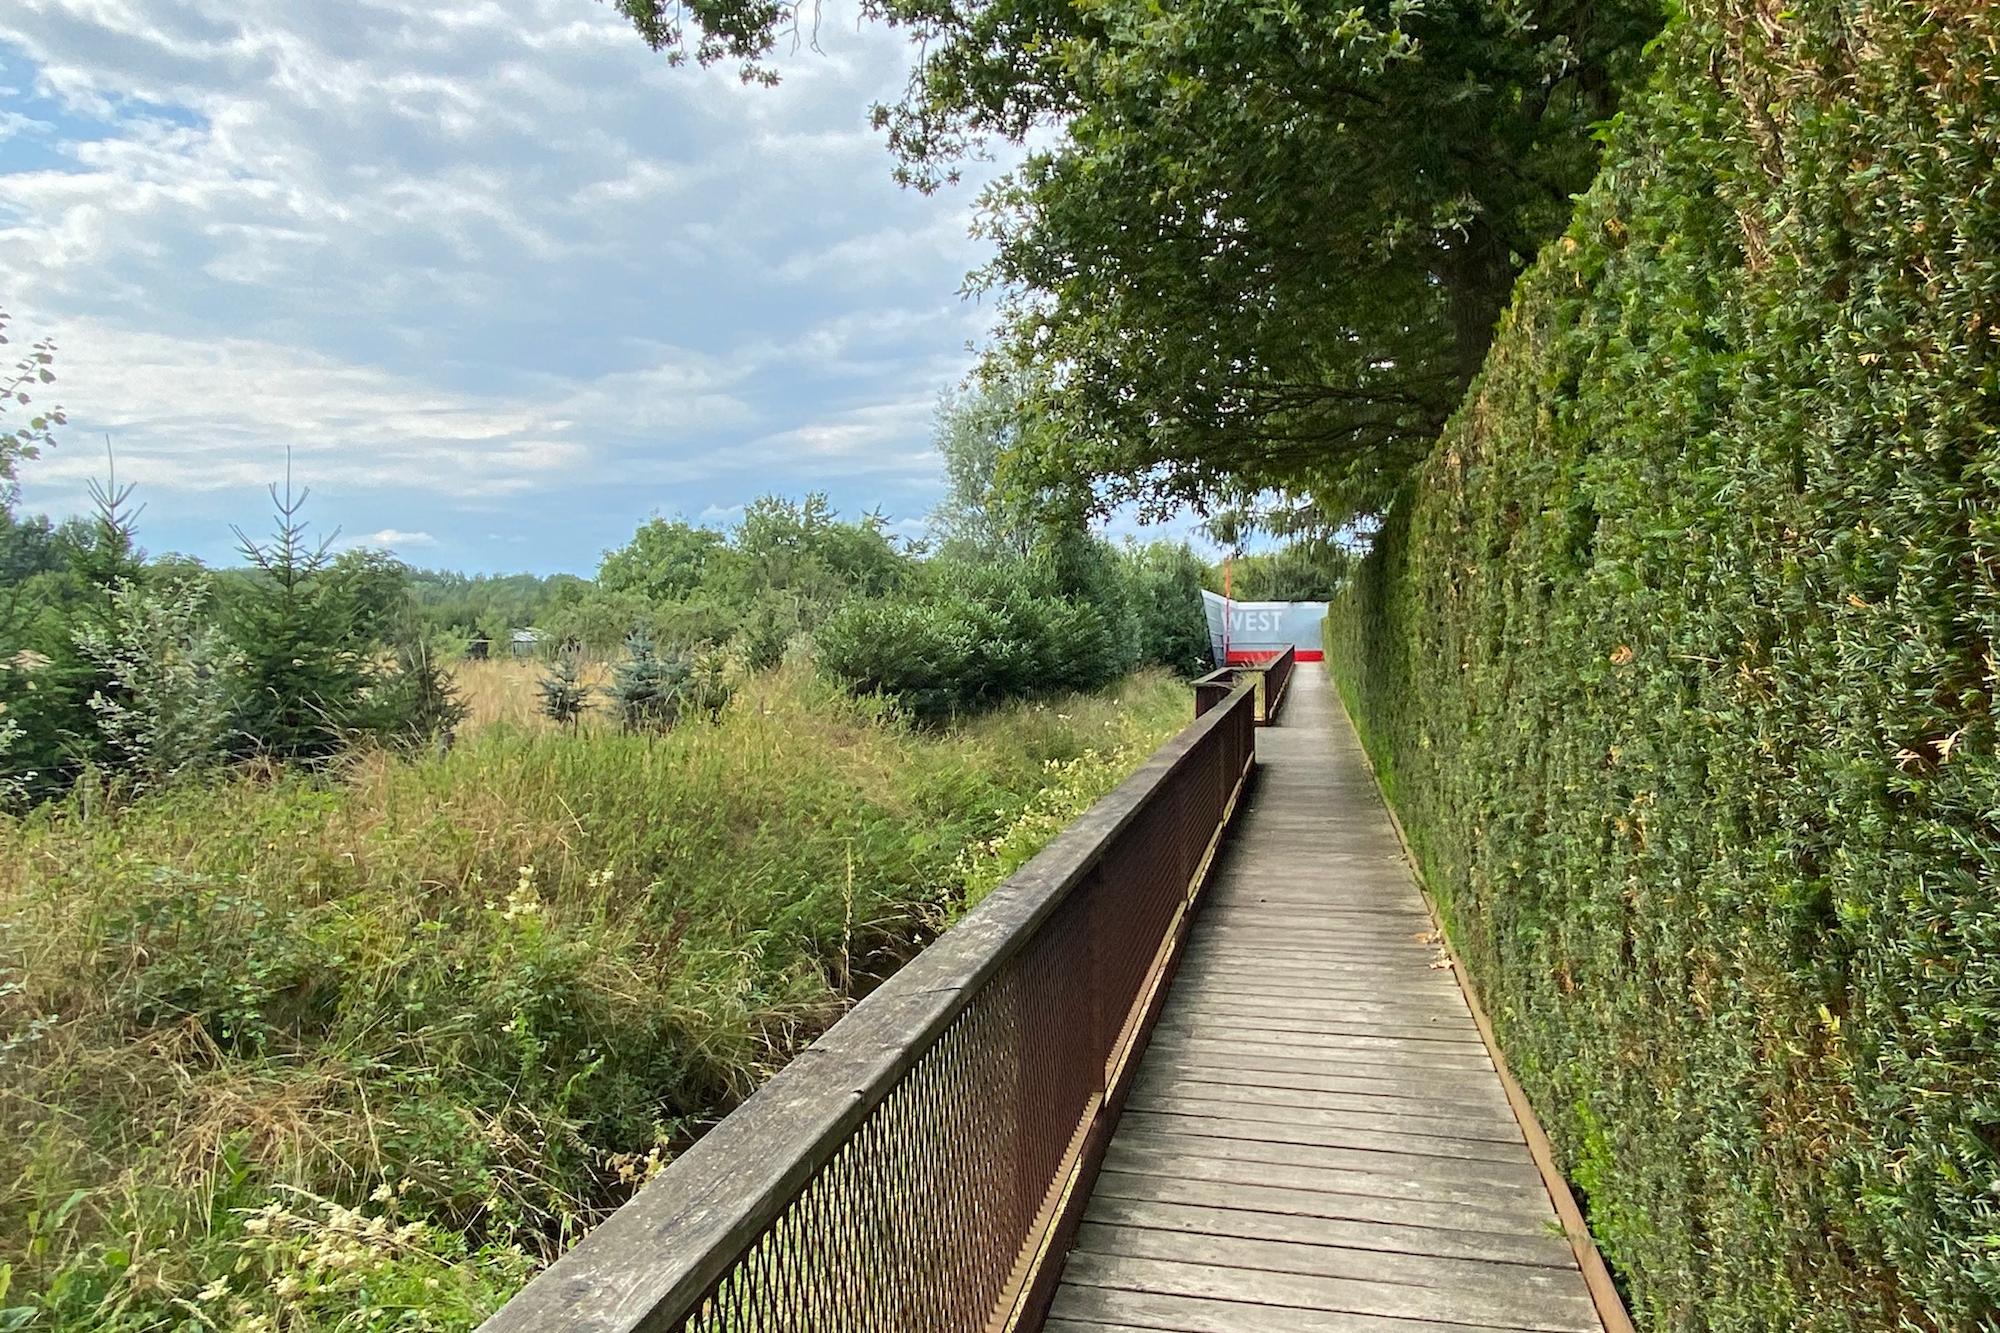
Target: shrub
{"points": [[768, 628], [652, 689], [970, 637], [1164, 583], [171, 676], [416, 702], [1677, 660]]}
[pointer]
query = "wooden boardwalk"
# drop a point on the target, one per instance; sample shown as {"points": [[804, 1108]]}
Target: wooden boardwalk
{"points": [[1317, 1141]]}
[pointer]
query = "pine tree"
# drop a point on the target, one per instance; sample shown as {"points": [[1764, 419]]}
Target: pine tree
{"points": [[306, 670], [647, 688], [565, 698], [55, 703], [417, 702], [164, 709]]}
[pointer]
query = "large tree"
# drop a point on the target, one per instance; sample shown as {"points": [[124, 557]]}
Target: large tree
{"points": [[1269, 241]]}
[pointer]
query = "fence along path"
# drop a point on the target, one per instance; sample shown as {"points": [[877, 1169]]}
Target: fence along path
{"points": [[1316, 1140]]}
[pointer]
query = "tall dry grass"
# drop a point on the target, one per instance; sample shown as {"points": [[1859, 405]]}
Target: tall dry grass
{"points": [[504, 690], [284, 1053]]}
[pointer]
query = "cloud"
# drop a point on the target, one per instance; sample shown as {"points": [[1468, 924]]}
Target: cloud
{"points": [[392, 540], [492, 257]]}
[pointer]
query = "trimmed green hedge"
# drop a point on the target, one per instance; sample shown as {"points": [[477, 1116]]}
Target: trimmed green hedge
{"points": [[1678, 657]]}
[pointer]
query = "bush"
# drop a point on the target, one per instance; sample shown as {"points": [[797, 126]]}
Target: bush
{"points": [[647, 686], [171, 675], [1164, 583], [1677, 660], [971, 637], [652, 689], [416, 702], [768, 627]]}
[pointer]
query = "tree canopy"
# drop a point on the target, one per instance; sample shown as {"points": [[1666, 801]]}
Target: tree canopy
{"points": [[1269, 241]]}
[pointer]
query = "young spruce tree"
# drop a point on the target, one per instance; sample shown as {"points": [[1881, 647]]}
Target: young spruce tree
{"points": [[565, 698], [648, 688], [306, 667]]}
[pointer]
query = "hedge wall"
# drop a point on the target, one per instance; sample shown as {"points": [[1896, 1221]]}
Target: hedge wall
{"points": [[1678, 657]]}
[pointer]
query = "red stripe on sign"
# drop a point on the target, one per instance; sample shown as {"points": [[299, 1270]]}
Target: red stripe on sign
{"points": [[1244, 657]]}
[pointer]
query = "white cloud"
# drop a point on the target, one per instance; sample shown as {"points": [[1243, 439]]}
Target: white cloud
{"points": [[480, 256], [392, 540]]}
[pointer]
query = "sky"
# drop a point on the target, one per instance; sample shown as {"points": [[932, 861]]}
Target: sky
{"points": [[503, 281]]}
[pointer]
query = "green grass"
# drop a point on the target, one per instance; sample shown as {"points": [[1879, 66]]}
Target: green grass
{"points": [[295, 1053]]}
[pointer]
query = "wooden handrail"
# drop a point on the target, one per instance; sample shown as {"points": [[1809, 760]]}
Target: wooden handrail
{"points": [[1272, 676]]}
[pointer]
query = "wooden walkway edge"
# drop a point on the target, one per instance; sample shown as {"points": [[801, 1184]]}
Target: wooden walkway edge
{"points": [[1317, 1140]]}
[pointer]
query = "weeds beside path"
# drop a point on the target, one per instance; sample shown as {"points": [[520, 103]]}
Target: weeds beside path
{"points": [[297, 1053]]}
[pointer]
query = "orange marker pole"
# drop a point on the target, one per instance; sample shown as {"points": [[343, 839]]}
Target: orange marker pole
{"points": [[1228, 557]]}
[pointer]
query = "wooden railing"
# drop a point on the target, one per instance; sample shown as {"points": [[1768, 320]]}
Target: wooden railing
{"points": [[1277, 682], [1213, 688], [918, 1169], [1271, 677]]}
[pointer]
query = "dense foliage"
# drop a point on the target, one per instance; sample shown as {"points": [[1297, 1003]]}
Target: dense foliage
{"points": [[1678, 658], [1308, 571], [766, 581], [1021, 599], [1253, 243], [1270, 245], [328, 1052], [155, 670]]}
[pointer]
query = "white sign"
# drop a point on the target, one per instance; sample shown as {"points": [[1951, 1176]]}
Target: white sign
{"points": [[1240, 630]]}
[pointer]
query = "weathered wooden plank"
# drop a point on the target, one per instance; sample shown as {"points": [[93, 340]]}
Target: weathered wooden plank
{"points": [[1322, 1057], [1309, 1248], [1354, 1281], [1388, 1134], [1301, 1291], [1412, 979], [1437, 1087], [1412, 961], [1370, 1194], [1096, 1308], [1228, 1026], [1289, 1106], [1538, 1243], [1125, 1205], [1418, 993], [1359, 960], [1175, 1136], [1461, 1098], [1318, 1002], [1327, 1015], [1411, 1115]]}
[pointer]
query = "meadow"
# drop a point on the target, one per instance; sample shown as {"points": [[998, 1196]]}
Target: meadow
{"points": [[365, 1047]]}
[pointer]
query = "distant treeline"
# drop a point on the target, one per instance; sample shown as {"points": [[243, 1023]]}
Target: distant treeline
{"points": [[147, 670]]}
